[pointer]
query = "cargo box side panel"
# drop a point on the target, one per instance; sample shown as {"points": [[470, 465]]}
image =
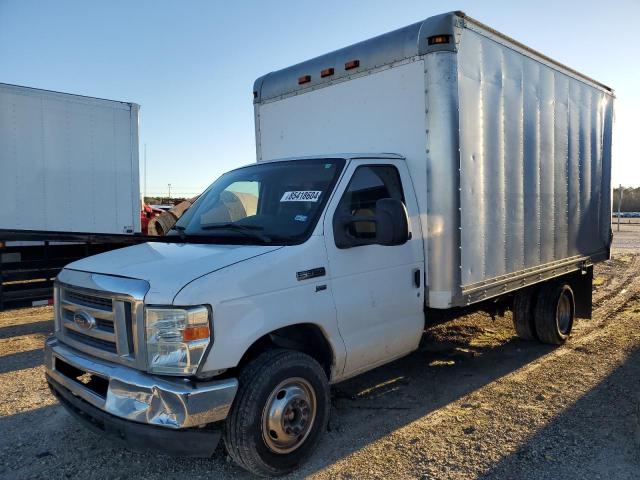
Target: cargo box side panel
{"points": [[605, 206], [379, 112], [534, 164], [442, 237]]}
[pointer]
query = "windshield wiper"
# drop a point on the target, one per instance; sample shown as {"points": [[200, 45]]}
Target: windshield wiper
{"points": [[180, 229], [244, 229]]}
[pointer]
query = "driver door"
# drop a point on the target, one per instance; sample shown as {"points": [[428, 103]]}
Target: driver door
{"points": [[377, 289]]}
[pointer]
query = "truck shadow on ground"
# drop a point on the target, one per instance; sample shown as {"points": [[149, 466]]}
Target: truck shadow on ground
{"points": [[596, 437], [44, 327], [22, 345], [15, 362], [461, 357]]}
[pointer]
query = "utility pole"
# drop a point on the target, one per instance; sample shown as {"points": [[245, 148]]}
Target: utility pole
{"points": [[144, 188], [619, 205], [169, 190]]}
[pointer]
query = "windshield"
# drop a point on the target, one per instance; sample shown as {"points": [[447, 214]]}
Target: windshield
{"points": [[269, 203]]}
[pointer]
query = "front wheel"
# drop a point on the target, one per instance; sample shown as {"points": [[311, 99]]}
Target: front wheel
{"points": [[279, 414]]}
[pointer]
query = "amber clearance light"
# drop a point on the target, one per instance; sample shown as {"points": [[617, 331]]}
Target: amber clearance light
{"points": [[438, 39], [327, 72], [352, 64]]}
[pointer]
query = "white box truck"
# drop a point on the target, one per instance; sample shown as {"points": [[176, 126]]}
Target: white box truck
{"points": [[482, 176], [68, 171]]}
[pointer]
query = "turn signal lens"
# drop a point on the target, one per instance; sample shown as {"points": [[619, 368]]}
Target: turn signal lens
{"points": [[304, 79], [195, 333]]}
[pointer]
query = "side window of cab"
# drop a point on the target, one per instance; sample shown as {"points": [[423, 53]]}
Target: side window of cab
{"points": [[368, 184]]}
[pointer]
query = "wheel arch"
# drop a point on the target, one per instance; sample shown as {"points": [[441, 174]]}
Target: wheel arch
{"points": [[305, 337]]}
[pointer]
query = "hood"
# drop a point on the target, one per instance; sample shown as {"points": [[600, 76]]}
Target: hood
{"points": [[168, 266]]}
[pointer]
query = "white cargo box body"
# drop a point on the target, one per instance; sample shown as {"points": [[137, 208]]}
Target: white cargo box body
{"points": [[68, 163], [509, 151]]}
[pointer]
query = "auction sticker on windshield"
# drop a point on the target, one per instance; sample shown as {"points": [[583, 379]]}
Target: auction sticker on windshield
{"points": [[301, 196]]}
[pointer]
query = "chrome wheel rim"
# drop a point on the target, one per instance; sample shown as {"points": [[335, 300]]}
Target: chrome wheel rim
{"points": [[563, 313], [289, 415]]}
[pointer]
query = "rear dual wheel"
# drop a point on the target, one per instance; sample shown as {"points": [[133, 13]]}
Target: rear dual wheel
{"points": [[555, 311], [545, 314], [524, 305]]}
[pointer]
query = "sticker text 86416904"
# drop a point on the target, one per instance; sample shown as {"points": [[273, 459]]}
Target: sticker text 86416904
{"points": [[301, 196]]}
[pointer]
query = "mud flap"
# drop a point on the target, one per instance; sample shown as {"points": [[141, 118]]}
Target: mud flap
{"points": [[582, 285]]}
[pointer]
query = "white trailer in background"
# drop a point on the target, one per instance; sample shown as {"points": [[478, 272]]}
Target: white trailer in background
{"points": [[69, 184], [68, 163]]}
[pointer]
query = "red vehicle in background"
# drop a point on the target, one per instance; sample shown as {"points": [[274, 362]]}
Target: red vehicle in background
{"points": [[146, 214]]}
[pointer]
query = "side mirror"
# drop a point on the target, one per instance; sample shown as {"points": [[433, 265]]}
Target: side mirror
{"points": [[391, 226]]}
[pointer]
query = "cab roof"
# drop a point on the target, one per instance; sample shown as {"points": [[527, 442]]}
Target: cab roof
{"points": [[345, 156]]}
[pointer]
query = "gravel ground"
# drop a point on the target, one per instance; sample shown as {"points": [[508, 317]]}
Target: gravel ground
{"points": [[628, 238], [475, 402]]}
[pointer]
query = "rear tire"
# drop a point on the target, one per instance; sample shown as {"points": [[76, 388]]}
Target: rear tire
{"points": [[279, 414], [555, 313], [524, 314]]}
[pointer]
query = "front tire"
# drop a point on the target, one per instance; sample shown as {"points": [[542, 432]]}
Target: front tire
{"points": [[555, 312], [279, 414]]}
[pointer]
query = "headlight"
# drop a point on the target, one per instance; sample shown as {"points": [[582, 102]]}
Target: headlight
{"points": [[176, 339]]}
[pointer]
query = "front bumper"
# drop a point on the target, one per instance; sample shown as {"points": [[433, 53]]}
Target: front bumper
{"points": [[134, 396], [190, 442]]}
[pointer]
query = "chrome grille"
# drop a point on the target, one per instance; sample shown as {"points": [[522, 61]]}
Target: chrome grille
{"points": [[90, 301], [94, 342], [102, 324], [110, 332]]}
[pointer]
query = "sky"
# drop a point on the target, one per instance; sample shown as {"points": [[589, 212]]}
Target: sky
{"points": [[190, 65]]}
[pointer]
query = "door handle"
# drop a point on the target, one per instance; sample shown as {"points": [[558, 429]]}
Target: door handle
{"points": [[416, 277]]}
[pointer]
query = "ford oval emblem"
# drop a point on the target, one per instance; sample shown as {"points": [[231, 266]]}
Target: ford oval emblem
{"points": [[84, 320]]}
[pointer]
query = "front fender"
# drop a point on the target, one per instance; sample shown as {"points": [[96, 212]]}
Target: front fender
{"points": [[257, 296]]}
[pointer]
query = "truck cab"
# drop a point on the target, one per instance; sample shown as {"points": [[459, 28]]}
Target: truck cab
{"points": [[321, 256]]}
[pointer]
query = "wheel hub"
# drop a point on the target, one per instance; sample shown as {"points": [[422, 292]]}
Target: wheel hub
{"points": [[563, 313], [288, 415]]}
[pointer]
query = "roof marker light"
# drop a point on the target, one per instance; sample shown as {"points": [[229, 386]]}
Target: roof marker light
{"points": [[304, 79], [352, 64], [327, 72], [438, 39]]}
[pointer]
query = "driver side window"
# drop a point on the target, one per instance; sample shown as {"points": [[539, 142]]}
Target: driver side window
{"points": [[369, 184]]}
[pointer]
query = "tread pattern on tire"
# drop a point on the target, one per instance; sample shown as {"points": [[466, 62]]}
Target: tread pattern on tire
{"points": [[256, 374], [545, 318], [524, 314]]}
